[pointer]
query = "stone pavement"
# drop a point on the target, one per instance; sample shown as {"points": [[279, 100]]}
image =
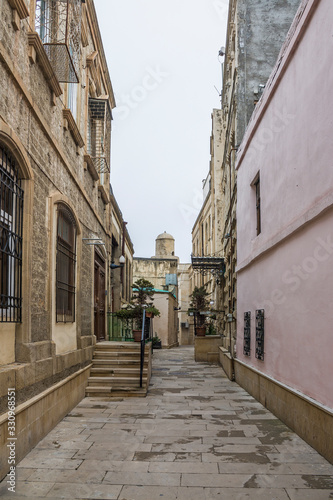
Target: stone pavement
{"points": [[197, 436]]}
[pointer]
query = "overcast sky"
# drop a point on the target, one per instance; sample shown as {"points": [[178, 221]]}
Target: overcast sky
{"points": [[163, 62]]}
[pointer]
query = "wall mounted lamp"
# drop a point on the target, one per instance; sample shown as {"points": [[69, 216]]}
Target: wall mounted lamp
{"points": [[121, 263]]}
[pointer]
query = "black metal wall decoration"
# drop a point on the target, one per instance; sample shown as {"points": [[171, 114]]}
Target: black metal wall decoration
{"points": [[209, 265], [247, 333], [260, 333]]}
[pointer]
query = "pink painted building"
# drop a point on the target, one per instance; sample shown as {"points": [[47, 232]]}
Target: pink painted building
{"points": [[285, 235]]}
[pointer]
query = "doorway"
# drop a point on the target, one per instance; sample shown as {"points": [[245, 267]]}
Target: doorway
{"points": [[99, 297]]}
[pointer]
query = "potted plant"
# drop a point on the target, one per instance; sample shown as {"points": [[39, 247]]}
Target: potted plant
{"points": [[199, 303], [152, 311], [157, 343], [143, 291]]}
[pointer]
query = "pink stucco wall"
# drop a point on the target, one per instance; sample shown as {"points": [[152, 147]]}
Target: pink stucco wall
{"points": [[288, 269]]}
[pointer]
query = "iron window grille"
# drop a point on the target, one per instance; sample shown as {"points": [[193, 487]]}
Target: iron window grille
{"points": [[65, 266], [58, 23], [247, 333], [11, 239], [260, 333], [99, 135]]}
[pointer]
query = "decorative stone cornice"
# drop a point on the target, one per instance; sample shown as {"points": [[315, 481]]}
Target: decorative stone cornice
{"points": [[90, 62], [20, 7], [104, 194], [70, 122], [37, 48], [91, 167]]}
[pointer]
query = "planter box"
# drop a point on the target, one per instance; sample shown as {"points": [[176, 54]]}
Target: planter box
{"points": [[207, 348]]}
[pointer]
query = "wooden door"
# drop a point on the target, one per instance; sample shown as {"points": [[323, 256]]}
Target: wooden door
{"points": [[99, 297]]}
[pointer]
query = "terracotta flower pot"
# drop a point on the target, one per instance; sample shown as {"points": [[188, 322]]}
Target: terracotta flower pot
{"points": [[200, 331], [137, 335]]}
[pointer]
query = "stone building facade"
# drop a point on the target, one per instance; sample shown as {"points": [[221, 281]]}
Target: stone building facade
{"points": [[255, 33], [207, 229], [55, 125], [186, 324], [285, 271], [121, 278], [162, 271]]}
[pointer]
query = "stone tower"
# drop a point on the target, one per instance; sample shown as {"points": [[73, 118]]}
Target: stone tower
{"points": [[164, 246]]}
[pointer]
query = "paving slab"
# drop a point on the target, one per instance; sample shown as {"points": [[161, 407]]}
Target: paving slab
{"points": [[196, 436]]}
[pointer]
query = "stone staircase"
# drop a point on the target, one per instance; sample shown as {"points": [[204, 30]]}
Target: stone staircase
{"points": [[115, 370]]}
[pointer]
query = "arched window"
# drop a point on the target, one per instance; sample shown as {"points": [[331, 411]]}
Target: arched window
{"points": [[66, 264], [11, 231]]}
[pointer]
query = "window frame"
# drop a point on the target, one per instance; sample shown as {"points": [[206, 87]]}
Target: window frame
{"points": [[66, 258], [11, 238]]}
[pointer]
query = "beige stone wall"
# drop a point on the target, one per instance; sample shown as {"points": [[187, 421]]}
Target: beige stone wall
{"points": [[121, 279], [165, 326], [207, 348], [38, 415], [207, 232], [186, 326], [154, 270]]}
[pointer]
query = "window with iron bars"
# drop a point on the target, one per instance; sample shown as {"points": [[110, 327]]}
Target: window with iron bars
{"points": [[11, 239], [58, 23], [99, 128], [66, 264]]}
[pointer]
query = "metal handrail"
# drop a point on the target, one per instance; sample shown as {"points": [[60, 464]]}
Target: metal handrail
{"points": [[142, 353]]}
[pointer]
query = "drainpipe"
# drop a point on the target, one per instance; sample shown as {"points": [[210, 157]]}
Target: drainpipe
{"points": [[123, 253], [231, 261]]}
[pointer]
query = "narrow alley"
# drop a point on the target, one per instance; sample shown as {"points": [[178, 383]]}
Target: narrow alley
{"points": [[195, 436]]}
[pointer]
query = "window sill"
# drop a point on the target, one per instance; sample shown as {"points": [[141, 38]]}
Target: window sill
{"points": [[37, 49], [20, 7], [91, 167], [69, 122], [104, 194]]}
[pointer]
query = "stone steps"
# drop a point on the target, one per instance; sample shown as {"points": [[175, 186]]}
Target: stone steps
{"points": [[115, 370], [127, 392], [118, 371], [115, 381]]}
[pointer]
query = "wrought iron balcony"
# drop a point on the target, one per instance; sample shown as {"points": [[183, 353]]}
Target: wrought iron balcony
{"points": [[58, 23], [209, 265]]}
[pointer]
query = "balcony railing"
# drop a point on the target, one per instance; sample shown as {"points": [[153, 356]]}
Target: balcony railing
{"points": [[58, 23]]}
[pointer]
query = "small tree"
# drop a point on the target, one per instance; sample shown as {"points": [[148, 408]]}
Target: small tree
{"points": [[143, 291], [199, 303]]}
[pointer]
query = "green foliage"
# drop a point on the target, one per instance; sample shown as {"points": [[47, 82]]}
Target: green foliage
{"points": [[143, 290], [125, 314], [153, 310], [199, 302], [211, 328]]}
